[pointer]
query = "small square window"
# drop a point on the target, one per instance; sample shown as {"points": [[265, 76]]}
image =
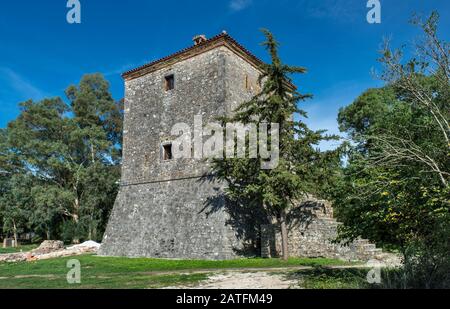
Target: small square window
{"points": [[167, 153], [169, 82]]}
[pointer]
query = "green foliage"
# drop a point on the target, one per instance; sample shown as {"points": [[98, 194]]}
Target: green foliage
{"points": [[329, 278], [270, 193], [367, 110], [62, 163], [426, 263], [394, 189], [20, 248], [16, 204]]}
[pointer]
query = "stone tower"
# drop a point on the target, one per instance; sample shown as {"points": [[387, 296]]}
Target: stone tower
{"points": [[159, 211], [162, 207]]}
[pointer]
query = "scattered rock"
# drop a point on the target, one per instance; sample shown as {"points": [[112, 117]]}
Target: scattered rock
{"points": [[386, 259], [13, 257], [86, 245], [48, 246], [51, 249]]}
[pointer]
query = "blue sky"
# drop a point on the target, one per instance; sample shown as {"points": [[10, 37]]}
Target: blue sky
{"points": [[41, 54]]}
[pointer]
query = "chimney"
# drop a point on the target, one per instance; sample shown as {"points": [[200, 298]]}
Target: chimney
{"points": [[198, 39]]}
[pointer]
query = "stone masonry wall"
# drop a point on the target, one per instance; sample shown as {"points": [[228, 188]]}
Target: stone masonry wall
{"points": [[166, 220], [163, 208], [311, 234], [151, 112]]}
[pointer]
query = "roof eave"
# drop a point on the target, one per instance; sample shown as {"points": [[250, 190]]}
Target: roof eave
{"points": [[222, 39], [219, 40]]}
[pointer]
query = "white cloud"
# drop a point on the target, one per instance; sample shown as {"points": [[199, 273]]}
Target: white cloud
{"points": [[19, 84], [122, 69], [118, 70], [349, 10], [239, 5]]}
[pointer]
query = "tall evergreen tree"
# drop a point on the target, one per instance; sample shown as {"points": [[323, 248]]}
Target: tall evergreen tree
{"points": [[275, 191]]}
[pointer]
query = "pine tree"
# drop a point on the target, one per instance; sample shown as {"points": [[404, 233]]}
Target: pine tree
{"points": [[277, 190]]}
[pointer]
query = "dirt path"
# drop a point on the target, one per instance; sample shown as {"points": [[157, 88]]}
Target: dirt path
{"points": [[244, 280]]}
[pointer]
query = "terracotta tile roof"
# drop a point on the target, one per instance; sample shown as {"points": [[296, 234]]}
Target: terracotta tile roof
{"points": [[222, 39]]}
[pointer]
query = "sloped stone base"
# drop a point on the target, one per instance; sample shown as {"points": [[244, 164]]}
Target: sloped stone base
{"points": [[186, 219], [169, 220]]}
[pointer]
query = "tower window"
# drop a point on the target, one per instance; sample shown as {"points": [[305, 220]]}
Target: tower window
{"points": [[167, 153], [169, 82]]}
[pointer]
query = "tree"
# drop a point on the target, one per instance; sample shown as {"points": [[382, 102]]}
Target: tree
{"points": [[395, 188], [15, 194], [16, 206], [73, 153], [98, 146], [274, 191], [424, 83]]}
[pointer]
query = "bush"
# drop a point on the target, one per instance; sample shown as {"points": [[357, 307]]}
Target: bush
{"points": [[426, 264]]}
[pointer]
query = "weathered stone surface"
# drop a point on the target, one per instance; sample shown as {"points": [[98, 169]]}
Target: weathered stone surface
{"points": [[312, 231], [164, 209], [13, 257], [166, 220], [50, 250], [160, 210], [48, 246], [87, 245], [71, 251]]}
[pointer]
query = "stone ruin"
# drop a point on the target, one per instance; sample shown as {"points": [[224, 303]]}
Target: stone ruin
{"points": [[170, 208], [312, 233], [50, 249]]}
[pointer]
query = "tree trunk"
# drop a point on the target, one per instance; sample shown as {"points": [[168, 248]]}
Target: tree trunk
{"points": [[16, 244], [284, 235], [90, 233], [75, 215], [75, 239], [49, 235], [92, 153]]}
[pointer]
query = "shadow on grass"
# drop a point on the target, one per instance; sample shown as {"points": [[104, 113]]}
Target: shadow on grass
{"points": [[327, 278]]}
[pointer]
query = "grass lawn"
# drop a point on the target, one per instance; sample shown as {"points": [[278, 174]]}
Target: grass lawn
{"points": [[24, 248], [326, 278], [106, 272]]}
